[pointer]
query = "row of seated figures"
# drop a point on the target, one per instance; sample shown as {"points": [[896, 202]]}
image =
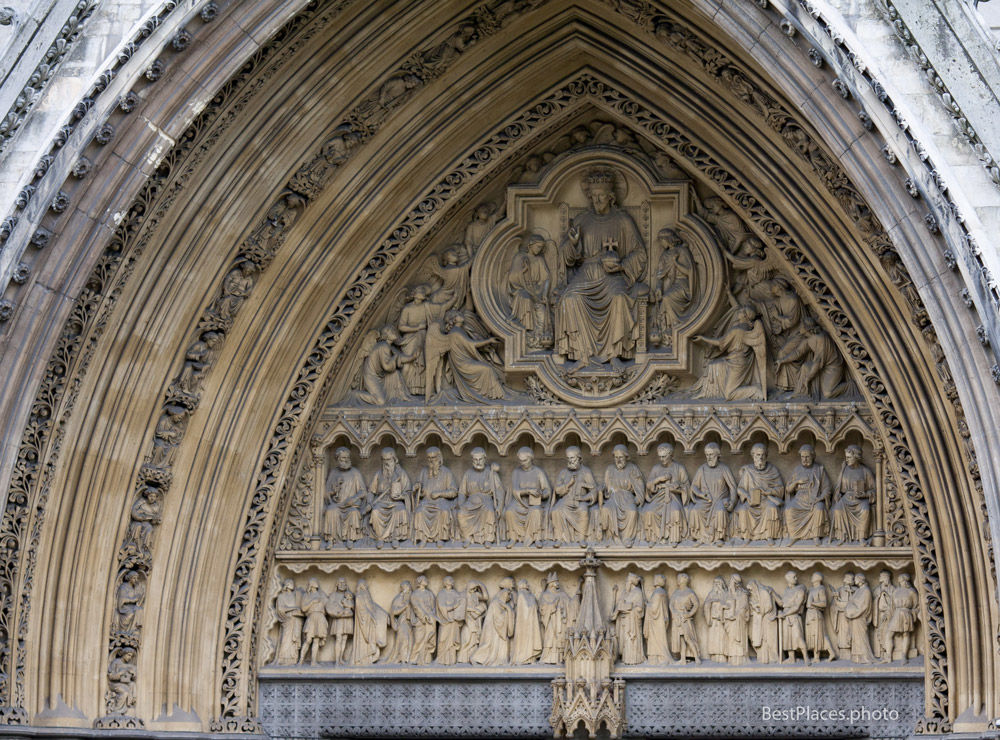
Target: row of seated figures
{"points": [[624, 506]]}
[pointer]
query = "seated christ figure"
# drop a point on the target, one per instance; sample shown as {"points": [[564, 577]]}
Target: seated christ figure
{"points": [[605, 258]]}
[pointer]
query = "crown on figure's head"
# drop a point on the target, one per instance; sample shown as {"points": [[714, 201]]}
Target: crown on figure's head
{"points": [[600, 176]]}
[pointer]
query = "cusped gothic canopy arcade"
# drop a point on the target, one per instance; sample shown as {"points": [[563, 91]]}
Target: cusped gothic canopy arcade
{"points": [[500, 369]]}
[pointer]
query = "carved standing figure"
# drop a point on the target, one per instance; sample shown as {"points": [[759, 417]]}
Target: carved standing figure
{"points": [[628, 619], [740, 374], [675, 279], [481, 495], [314, 630], [654, 625], [346, 501], [881, 611], [714, 608], [482, 221], [902, 621], [451, 616], [737, 621], [667, 493], [838, 611], [529, 490], [624, 493], [850, 515], [401, 619], [340, 608], [530, 284], [817, 638], [391, 505], [527, 646], [498, 628], [424, 622], [595, 317], [761, 493], [858, 612], [683, 608], [370, 626], [434, 496], [764, 622], [472, 629], [793, 602], [574, 493], [289, 612], [145, 515], [554, 607], [807, 511], [713, 496]]}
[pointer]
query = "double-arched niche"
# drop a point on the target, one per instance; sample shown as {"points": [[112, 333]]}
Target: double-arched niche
{"points": [[268, 299]]}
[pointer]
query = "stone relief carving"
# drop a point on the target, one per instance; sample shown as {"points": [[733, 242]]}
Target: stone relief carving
{"points": [[495, 621], [562, 501]]}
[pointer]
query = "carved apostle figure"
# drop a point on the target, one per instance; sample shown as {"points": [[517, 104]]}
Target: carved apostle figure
{"points": [[574, 492], [740, 373], [168, 434], [761, 494], [902, 621], [793, 634], [555, 608], [764, 622], [481, 496], [838, 611], [817, 638], [530, 283], [346, 501], [807, 511], [472, 628], [675, 279], [881, 611], [498, 628], [713, 496], [391, 506], [628, 619], [624, 493], [401, 620], [850, 515], [683, 608], [314, 630], [290, 617], [340, 609], [654, 625], [714, 609], [451, 617], [527, 645], [370, 626], [667, 494], [434, 493], [858, 612], [529, 490], [595, 315], [424, 620], [737, 622]]}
